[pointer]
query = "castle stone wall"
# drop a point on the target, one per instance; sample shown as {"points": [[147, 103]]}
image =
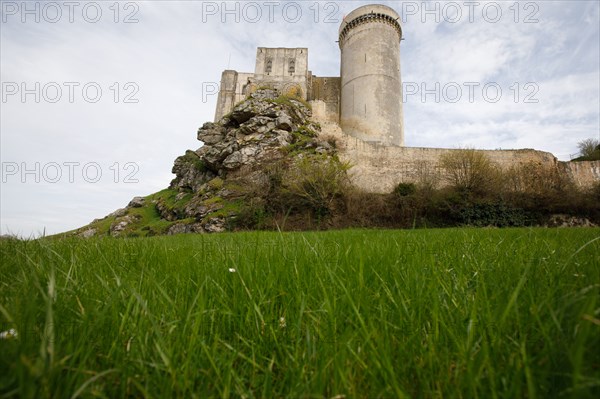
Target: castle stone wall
{"points": [[325, 95], [379, 168]]}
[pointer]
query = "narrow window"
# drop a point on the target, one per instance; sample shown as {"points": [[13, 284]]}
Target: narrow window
{"points": [[292, 67], [269, 66]]}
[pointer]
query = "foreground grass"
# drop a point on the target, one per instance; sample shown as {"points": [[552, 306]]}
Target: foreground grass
{"points": [[429, 313]]}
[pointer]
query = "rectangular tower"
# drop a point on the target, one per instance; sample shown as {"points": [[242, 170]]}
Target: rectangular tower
{"points": [[285, 69], [231, 91]]}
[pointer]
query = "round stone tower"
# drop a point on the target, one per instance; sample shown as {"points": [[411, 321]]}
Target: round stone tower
{"points": [[371, 97]]}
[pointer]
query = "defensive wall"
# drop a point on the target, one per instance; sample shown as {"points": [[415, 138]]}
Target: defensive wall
{"points": [[380, 168]]}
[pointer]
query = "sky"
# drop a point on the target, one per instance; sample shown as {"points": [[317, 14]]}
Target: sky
{"points": [[100, 97]]}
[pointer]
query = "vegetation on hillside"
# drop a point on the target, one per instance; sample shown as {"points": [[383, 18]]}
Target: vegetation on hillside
{"points": [[477, 193], [306, 190], [589, 150]]}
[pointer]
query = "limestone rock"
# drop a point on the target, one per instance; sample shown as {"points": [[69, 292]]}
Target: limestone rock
{"points": [[118, 213], [284, 122], [120, 224], [137, 202], [569, 221], [166, 212], [265, 94], [211, 133], [190, 172], [253, 133], [215, 225], [198, 208], [256, 105], [242, 157], [88, 233], [183, 228]]}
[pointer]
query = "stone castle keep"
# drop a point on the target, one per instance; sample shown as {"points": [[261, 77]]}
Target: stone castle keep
{"points": [[362, 107], [365, 99]]}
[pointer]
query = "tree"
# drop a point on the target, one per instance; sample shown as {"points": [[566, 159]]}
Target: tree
{"points": [[589, 148], [469, 170]]}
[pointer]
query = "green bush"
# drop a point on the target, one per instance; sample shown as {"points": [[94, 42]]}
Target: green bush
{"points": [[493, 214], [315, 183], [252, 216], [309, 183], [216, 183], [405, 189]]}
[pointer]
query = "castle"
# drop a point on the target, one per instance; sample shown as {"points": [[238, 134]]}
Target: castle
{"points": [[366, 99], [362, 107]]}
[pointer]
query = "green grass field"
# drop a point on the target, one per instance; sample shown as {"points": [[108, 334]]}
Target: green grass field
{"points": [[487, 313]]}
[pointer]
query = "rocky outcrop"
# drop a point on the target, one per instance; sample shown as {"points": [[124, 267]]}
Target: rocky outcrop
{"points": [[137, 202], [254, 132], [206, 191], [190, 171], [121, 223], [263, 129]]}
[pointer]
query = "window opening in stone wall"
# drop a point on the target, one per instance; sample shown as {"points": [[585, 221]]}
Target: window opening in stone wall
{"points": [[292, 67], [269, 66]]}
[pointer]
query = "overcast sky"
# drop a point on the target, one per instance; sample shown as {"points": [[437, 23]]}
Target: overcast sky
{"points": [[99, 98]]}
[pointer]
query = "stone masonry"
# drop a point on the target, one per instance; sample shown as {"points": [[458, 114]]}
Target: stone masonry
{"points": [[362, 108]]}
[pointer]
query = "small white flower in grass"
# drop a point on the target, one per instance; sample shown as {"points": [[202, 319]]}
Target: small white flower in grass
{"points": [[232, 270], [128, 347], [282, 323], [12, 333]]}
